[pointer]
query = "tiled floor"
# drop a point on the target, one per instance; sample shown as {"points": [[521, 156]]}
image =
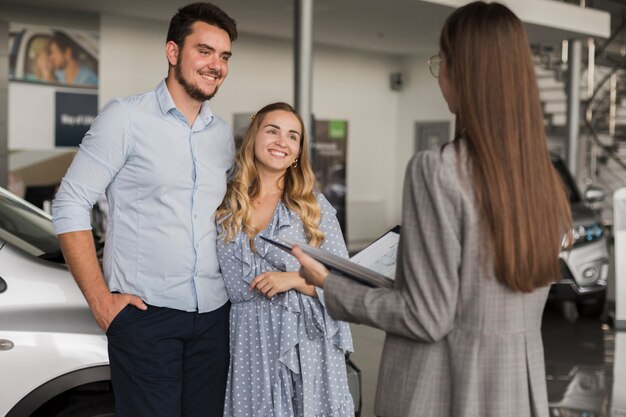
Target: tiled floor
{"points": [[368, 345], [581, 364]]}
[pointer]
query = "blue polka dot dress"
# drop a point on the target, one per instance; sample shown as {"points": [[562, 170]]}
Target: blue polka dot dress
{"points": [[287, 355]]}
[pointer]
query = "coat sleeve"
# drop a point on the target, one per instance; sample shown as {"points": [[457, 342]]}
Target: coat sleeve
{"points": [[423, 302]]}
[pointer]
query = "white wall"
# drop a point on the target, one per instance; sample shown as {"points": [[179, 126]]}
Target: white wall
{"points": [[355, 86], [132, 56], [421, 101], [49, 17], [348, 85], [32, 120], [133, 61]]}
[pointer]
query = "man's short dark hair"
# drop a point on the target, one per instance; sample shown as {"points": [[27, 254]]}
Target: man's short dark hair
{"points": [[180, 25], [64, 42]]}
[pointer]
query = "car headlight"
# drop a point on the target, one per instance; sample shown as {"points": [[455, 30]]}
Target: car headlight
{"points": [[587, 233]]}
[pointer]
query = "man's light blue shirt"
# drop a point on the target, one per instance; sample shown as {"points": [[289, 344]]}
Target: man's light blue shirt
{"points": [[163, 180]]}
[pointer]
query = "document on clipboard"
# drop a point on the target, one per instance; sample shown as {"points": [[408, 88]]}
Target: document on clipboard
{"points": [[373, 266]]}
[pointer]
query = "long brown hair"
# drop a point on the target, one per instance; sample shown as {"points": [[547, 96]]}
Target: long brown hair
{"points": [[521, 199], [235, 212]]}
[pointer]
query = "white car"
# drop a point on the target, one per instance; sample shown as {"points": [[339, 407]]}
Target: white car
{"points": [[584, 268], [53, 356]]}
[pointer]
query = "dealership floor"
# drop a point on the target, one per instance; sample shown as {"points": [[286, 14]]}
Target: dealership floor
{"points": [[585, 364]]}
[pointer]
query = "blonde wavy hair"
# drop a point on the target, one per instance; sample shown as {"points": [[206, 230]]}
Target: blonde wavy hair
{"points": [[235, 212]]}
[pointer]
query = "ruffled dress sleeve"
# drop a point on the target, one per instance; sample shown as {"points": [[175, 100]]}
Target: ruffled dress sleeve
{"points": [[315, 318]]}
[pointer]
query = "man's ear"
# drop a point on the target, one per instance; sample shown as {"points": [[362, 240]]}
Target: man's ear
{"points": [[171, 52]]}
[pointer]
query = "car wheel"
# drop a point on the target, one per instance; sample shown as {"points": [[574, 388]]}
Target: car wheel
{"points": [[92, 406], [592, 305]]}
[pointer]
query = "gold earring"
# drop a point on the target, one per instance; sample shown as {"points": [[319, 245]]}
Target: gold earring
{"points": [[295, 163]]}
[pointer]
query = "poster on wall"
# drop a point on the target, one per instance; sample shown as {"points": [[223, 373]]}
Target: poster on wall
{"points": [[52, 97], [41, 54], [51, 67], [74, 114]]}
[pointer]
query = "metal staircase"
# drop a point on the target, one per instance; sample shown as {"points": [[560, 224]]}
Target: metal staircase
{"points": [[603, 103]]}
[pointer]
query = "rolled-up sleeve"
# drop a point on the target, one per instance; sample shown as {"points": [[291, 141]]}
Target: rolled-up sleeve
{"points": [[102, 154]]}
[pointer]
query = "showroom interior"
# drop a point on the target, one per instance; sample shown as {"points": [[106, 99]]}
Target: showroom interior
{"points": [[358, 72]]}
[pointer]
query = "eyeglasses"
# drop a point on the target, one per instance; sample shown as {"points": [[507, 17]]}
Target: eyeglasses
{"points": [[434, 62]]}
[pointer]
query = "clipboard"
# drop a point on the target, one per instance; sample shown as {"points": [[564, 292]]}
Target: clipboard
{"points": [[335, 263]]}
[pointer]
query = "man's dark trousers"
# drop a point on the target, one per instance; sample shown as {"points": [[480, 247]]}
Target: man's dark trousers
{"points": [[169, 363]]}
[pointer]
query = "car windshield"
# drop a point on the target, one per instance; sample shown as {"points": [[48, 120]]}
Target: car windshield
{"points": [[26, 227]]}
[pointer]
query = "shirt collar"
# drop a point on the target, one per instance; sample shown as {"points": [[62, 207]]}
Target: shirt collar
{"points": [[167, 104], [165, 98], [206, 115]]}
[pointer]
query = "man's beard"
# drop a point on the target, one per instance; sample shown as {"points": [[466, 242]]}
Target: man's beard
{"points": [[193, 90]]}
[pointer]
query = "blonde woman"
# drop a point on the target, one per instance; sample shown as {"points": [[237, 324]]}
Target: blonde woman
{"points": [[287, 354]]}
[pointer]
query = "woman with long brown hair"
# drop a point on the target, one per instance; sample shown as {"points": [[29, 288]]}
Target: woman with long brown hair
{"points": [[483, 224], [287, 354]]}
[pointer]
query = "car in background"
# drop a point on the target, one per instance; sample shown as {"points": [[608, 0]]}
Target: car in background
{"points": [[53, 357], [584, 268]]}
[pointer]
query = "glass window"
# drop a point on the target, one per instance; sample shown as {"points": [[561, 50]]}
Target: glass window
{"points": [[25, 227], [14, 41]]}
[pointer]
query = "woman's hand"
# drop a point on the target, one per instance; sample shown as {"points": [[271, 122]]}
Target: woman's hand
{"points": [[273, 282], [313, 272]]}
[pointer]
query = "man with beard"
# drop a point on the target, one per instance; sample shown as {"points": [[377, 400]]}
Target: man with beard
{"points": [[163, 159]]}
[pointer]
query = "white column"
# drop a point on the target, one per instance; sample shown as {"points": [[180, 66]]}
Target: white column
{"points": [[573, 104], [619, 249], [618, 396], [4, 103]]}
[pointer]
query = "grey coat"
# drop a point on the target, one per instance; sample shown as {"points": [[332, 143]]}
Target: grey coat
{"points": [[458, 342]]}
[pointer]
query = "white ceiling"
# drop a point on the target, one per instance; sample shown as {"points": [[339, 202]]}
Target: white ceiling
{"points": [[393, 26], [396, 27]]}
